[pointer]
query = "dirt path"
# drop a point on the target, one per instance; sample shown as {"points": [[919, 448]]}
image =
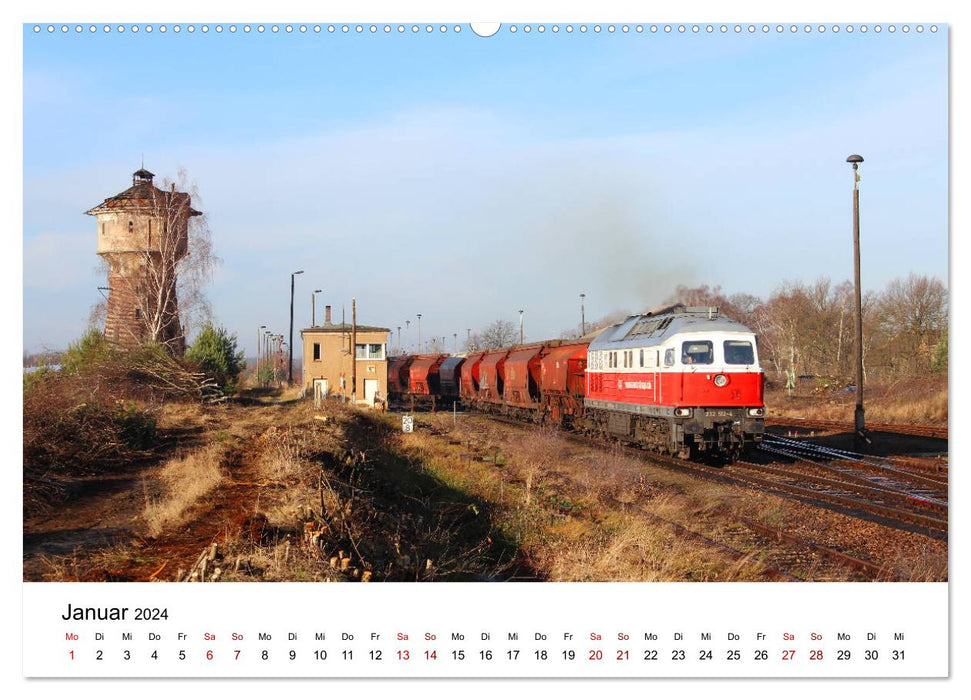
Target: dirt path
{"points": [[98, 532]]}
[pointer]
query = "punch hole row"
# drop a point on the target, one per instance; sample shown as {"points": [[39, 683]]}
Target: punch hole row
{"points": [[712, 29], [512, 29], [248, 29]]}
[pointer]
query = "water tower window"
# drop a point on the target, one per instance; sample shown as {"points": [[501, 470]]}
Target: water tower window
{"points": [[131, 226]]}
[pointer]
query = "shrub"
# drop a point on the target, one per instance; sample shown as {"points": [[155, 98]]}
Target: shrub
{"points": [[214, 350], [91, 349]]}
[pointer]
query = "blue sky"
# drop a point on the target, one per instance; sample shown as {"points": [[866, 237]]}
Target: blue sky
{"points": [[479, 176]]}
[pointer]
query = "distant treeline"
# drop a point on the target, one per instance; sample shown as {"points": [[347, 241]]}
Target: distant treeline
{"points": [[48, 358], [809, 329]]}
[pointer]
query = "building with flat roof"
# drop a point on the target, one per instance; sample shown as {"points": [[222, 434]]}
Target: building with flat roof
{"points": [[329, 363]]}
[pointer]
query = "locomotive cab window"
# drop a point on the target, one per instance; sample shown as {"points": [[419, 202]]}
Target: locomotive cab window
{"points": [[739, 352], [697, 352]]}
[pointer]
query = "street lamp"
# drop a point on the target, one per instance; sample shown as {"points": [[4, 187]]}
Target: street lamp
{"points": [[583, 319], [858, 415], [293, 276], [455, 343], [408, 334], [399, 340], [313, 307], [259, 342], [520, 326], [419, 332]]}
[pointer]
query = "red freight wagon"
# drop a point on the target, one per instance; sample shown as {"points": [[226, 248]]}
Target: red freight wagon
{"points": [[521, 375], [563, 382], [398, 376], [491, 375], [469, 383], [424, 374]]}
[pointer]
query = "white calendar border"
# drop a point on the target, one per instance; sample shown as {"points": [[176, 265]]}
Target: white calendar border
{"points": [[702, 10]]}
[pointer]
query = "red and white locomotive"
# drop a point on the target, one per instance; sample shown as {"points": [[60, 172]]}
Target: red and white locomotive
{"points": [[682, 379]]}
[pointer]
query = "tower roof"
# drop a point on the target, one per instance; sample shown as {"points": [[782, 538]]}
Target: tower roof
{"points": [[142, 194]]}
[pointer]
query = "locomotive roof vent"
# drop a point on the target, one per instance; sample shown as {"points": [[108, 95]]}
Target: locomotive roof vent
{"points": [[709, 311]]}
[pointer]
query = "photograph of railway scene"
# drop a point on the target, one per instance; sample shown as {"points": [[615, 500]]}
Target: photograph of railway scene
{"points": [[534, 302]]}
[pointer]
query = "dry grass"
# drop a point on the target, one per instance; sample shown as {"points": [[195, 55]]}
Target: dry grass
{"points": [[929, 565], [281, 459], [284, 560], [639, 550], [185, 480], [564, 505], [181, 414], [905, 402]]}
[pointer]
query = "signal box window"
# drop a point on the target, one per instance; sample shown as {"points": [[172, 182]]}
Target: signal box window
{"points": [[370, 351], [697, 352], [739, 352], [316, 351]]}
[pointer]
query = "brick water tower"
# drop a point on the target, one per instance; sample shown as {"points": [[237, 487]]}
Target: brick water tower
{"points": [[143, 233]]}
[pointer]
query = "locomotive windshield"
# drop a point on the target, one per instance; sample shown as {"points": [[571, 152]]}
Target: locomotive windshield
{"points": [[697, 352], [739, 352]]}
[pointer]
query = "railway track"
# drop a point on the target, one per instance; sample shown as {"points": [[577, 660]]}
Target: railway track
{"points": [[879, 471], [919, 430], [873, 570], [849, 493], [788, 553]]}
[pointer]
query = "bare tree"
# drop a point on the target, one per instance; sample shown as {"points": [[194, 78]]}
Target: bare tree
{"points": [[912, 318], [740, 307], [498, 334]]}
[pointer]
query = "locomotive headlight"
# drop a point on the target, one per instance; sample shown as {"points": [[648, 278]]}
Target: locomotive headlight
{"points": [[721, 380], [682, 412], [756, 412]]}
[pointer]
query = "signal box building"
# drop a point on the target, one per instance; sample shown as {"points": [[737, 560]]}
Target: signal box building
{"points": [[328, 363]]}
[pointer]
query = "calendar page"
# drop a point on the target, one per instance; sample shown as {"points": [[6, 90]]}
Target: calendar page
{"points": [[596, 344]]}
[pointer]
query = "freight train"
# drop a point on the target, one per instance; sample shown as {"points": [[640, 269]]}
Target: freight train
{"points": [[681, 380]]}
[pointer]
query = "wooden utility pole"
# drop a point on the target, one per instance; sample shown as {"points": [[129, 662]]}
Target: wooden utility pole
{"points": [[353, 351]]}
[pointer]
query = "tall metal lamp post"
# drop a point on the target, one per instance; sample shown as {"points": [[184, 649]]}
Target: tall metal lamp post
{"points": [[583, 318], [290, 346], [520, 326], [419, 332], [858, 417]]}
